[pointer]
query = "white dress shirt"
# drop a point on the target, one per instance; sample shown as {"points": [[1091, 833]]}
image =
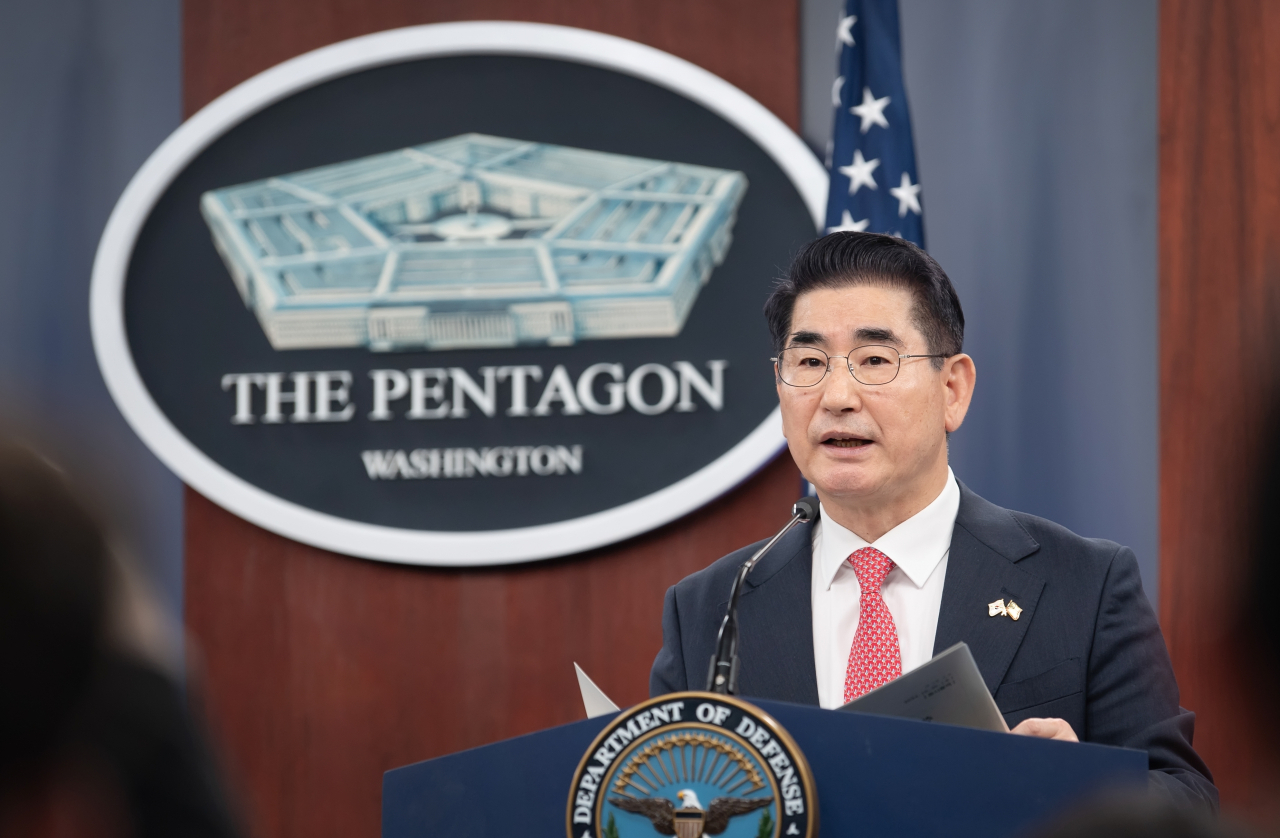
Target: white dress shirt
{"points": [[912, 590]]}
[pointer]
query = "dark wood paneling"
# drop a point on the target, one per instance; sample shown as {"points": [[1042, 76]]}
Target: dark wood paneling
{"points": [[1219, 274], [322, 671], [753, 44]]}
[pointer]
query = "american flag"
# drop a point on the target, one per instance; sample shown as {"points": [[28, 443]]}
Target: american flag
{"points": [[872, 160]]}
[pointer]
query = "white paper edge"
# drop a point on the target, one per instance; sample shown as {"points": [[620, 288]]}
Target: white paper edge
{"points": [[594, 701]]}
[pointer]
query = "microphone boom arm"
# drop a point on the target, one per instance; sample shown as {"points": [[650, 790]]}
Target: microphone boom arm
{"points": [[722, 677]]}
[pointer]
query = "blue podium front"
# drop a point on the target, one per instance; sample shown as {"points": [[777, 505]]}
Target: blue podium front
{"points": [[874, 776]]}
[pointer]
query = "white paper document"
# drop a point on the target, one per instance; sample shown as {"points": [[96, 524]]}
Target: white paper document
{"points": [[948, 689], [594, 700]]}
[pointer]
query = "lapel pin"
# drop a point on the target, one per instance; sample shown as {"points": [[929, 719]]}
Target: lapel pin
{"points": [[1013, 611]]}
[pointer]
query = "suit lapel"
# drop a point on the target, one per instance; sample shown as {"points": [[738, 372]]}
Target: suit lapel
{"points": [[981, 567], [776, 609], [776, 618]]}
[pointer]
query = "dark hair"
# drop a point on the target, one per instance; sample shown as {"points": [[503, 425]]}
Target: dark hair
{"points": [[52, 606], [1135, 815], [840, 260]]}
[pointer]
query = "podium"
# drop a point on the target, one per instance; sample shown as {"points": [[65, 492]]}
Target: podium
{"points": [[874, 776]]}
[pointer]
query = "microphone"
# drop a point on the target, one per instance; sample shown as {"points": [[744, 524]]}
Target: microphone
{"points": [[722, 677]]}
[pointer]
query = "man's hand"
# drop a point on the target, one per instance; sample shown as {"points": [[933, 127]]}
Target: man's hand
{"points": [[1046, 729]]}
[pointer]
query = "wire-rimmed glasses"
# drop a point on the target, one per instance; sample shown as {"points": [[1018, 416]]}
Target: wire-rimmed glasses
{"points": [[806, 366]]}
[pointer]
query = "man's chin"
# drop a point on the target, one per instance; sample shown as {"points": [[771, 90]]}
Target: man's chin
{"points": [[845, 483]]}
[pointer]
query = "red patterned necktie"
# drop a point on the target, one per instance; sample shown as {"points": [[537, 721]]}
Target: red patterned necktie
{"points": [[875, 658]]}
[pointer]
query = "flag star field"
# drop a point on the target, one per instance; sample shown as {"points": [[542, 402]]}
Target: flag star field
{"points": [[871, 159]]}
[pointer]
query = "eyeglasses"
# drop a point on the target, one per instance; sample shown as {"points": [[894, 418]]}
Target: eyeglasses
{"points": [[804, 366]]}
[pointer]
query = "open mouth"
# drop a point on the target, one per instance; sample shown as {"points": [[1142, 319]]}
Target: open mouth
{"points": [[843, 441]]}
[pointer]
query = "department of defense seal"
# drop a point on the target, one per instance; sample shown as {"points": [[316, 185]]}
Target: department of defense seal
{"points": [[692, 764]]}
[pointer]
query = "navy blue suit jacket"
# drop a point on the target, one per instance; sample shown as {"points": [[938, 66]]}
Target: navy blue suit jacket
{"points": [[1087, 648]]}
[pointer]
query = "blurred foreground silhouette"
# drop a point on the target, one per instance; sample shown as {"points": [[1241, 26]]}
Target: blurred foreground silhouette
{"points": [[96, 735], [1137, 816]]}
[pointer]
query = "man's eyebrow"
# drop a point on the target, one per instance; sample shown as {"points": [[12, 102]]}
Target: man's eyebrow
{"points": [[878, 336], [807, 338]]}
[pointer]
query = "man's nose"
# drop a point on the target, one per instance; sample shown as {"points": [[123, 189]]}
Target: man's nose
{"points": [[840, 390]]}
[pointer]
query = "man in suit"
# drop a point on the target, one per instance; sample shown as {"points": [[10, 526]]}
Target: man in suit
{"points": [[903, 560]]}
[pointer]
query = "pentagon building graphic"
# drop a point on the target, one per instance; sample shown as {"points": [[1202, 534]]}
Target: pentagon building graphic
{"points": [[475, 241]]}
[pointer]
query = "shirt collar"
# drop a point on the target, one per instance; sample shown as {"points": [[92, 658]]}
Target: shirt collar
{"points": [[916, 545]]}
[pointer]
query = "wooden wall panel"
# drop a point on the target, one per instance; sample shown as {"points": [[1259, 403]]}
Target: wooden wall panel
{"points": [[754, 44], [322, 671], [1219, 246]]}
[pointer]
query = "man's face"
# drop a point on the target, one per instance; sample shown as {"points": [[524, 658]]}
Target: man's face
{"points": [[857, 441]]}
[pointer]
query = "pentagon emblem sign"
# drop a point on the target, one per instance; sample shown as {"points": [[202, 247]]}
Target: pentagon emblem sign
{"points": [[474, 242], [459, 294], [693, 764]]}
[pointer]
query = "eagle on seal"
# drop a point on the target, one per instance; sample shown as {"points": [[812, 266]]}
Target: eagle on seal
{"points": [[690, 820]]}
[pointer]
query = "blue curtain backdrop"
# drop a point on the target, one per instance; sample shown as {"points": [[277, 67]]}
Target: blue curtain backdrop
{"points": [[88, 88], [1035, 130]]}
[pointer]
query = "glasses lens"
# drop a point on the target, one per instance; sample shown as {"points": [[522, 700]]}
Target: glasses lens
{"points": [[802, 367], [874, 364]]}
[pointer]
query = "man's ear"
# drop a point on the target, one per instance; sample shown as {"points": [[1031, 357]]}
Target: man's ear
{"points": [[958, 377]]}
